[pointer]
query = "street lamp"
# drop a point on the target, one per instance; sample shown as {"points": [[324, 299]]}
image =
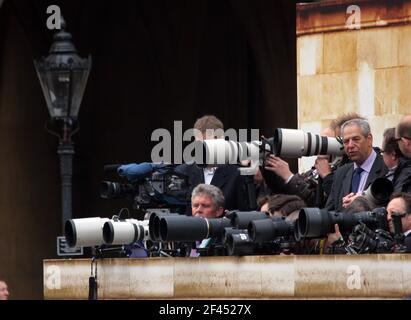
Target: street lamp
{"points": [[63, 77]]}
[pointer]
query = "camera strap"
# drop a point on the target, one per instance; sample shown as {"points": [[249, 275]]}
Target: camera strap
{"points": [[92, 281]]}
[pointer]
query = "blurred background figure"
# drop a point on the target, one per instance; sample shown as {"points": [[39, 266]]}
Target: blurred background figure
{"points": [[403, 135], [399, 167], [282, 205], [226, 177], [4, 293]]}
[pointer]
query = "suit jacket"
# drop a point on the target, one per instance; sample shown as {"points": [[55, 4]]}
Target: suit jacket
{"points": [[407, 243], [226, 177], [402, 176], [342, 181]]}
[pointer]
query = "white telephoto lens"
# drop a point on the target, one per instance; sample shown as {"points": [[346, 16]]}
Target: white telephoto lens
{"points": [[86, 232]]}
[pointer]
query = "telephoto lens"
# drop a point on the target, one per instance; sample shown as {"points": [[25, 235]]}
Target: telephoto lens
{"points": [[241, 219], [292, 143], [266, 230], [317, 223], [187, 229], [220, 152], [379, 192], [86, 232], [154, 223], [125, 232]]}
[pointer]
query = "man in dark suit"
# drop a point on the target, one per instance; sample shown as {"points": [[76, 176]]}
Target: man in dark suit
{"points": [[366, 166], [403, 135], [227, 177], [399, 167], [401, 204]]}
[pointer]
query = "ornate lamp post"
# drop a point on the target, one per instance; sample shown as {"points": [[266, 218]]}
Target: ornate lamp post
{"points": [[63, 77]]}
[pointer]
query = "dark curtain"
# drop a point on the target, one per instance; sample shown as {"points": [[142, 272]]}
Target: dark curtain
{"points": [[153, 62]]}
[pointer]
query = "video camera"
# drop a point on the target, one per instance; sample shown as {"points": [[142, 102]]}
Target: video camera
{"points": [[149, 185]]}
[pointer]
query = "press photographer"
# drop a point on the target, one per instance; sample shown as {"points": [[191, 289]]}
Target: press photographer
{"points": [[314, 185], [400, 204]]}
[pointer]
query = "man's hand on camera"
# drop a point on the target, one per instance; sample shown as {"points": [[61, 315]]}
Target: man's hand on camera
{"points": [[322, 166], [278, 166], [346, 201]]}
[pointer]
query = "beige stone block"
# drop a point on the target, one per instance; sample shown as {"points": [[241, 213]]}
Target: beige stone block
{"points": [[324, 97], [310, 54], [404, 101], [378, 47], [380, 123], [366, 90], [406, 8], [386, 91], [309, 97], [340, 51], [404, 45], [392, 91]]}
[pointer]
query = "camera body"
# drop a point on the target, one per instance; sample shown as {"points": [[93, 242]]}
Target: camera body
{"points": [[364, 240]]}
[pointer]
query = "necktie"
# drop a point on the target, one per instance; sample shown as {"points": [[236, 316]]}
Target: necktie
{"points": [[355, 182]]}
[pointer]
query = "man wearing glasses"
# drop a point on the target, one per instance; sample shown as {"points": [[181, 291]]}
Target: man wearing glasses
{"points": [[399, 167], [403, 135]]}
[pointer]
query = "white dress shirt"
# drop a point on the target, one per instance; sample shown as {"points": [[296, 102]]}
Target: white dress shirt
{"points": [[208, 174]]}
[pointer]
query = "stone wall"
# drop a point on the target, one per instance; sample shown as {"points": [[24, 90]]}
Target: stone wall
{"points": [[366, 69]]}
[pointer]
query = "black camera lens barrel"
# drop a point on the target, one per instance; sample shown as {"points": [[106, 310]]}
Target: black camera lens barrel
{"points": [[217, 227], [183, 228], [268, 229], [241, 219], [112, 190], [109, 190], [379, 191], [317, 223], [154, 224]]}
